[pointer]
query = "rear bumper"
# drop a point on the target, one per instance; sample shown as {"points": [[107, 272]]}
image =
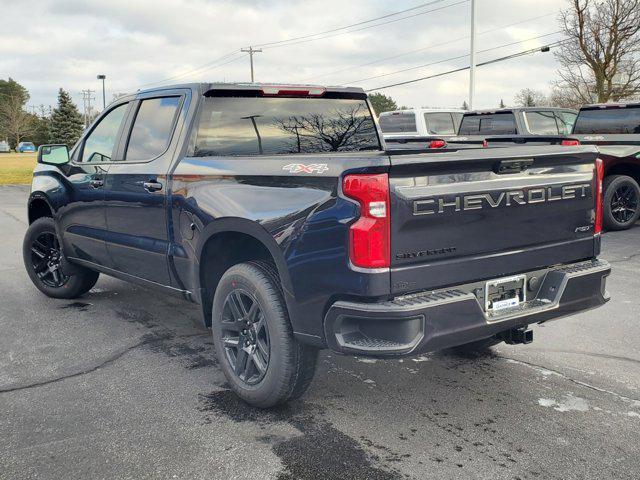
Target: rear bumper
{"points": [[431, 321]]}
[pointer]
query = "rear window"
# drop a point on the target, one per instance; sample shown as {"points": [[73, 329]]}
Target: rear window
{"points": [[398, 122], [440, 123], [608, 120], [488, 124], [276, 126]]}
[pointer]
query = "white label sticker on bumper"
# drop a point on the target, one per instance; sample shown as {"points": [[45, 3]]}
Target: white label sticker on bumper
{"points": [[506, 303]]}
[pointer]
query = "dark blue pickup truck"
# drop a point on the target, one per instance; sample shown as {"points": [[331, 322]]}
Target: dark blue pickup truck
{"points": [[280, 212]]}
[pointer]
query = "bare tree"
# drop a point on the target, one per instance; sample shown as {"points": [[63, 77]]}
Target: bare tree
{"points": [[600, 60], [17, 123], [528, 97], [345, 130]]}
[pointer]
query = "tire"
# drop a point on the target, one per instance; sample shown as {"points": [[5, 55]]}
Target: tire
{"points": [[273, 367], [41, 248], [477, 347], [621, 202]]}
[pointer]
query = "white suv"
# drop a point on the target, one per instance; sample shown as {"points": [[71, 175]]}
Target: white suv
{"points": [[420, 122]]}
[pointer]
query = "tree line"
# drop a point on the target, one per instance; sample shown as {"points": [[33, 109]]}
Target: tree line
{"points": [[63, 125]]}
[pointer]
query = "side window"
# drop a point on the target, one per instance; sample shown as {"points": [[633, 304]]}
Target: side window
{"points": [[440, 123], [565, 122], [542, 123], [98, 147], [152, 128]]}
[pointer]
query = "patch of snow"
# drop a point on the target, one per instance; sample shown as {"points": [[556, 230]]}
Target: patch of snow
{"points": [[568, 404], [366, 360], [421, 358]]}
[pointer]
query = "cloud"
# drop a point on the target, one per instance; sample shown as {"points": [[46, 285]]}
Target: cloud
{"points": [[65, 43]]}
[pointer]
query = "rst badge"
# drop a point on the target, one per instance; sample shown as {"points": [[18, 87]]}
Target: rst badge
{"points": [[302, 168]]}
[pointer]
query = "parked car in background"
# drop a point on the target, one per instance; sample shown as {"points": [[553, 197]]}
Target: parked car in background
{"points": [[4, 147], [517, 121], [615, 129], [25, 147], [420, 122]]}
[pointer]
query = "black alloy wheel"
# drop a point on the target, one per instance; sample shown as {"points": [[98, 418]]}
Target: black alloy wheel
{"points": [[245, 336], [624, 203], [46, 259]]}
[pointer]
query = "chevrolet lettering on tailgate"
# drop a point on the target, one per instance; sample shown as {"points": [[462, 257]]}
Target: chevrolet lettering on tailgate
{"points": [[508, 198]]}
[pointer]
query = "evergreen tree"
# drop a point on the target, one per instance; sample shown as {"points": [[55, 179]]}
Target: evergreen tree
{"points": [[66, 123], [502, 105], [465, 105], [382, 103]]}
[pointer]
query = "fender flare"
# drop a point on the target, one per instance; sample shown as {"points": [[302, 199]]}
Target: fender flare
{"points": [[39, 196], [254, 230]]}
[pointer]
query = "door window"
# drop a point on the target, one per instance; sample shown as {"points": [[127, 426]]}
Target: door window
{"points": [[152, 128], [98, 147]]}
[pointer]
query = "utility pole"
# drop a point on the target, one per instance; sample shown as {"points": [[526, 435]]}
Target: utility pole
{"points": [[472, 57], [251, 51]]}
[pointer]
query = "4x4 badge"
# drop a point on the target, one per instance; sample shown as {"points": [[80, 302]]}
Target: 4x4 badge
{"points": [[302, 168]]}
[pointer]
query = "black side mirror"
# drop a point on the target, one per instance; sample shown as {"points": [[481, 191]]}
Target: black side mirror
{"points": [[53, 154]]}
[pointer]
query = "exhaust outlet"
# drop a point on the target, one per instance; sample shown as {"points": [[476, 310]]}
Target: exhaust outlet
{"points": [[517, 336]]}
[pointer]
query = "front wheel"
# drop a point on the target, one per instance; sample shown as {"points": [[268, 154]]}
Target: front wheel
{"points": [[621, 202], [254, 342], [42, 255]]}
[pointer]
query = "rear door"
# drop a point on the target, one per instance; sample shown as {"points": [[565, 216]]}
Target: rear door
{"points": [[136, 187], [476, 214]]}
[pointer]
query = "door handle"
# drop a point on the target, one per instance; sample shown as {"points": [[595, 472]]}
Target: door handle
{"points": [[96, 183], [152, 186]]}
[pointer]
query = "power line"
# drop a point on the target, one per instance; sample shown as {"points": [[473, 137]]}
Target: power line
{"points": [[370, 26], [349, 26], [449, 59], [308, 38], [488, 62], [206, 66], [429, 47]]}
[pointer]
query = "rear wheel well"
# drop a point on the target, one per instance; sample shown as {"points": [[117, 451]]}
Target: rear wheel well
{"points": [[221, 252], [39, 208], [628, 169]]}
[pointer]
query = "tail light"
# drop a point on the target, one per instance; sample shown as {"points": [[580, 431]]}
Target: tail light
{"points": [[569, 142], [369, 236], [437, 144], [598, 195]]}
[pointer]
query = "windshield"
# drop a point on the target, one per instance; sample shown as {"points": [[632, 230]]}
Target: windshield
{"points": [[488, 124], [274, 126], [608, 120], [398, 122]]}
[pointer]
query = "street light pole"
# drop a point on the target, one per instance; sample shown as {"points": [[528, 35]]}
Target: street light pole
{"points": [[104, 100], [472, 65]]}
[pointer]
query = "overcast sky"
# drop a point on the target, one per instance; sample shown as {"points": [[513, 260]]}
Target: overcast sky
{"points": [[53, 43]]}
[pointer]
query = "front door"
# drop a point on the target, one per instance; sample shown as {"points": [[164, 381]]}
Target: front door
{"points": [[82, 220], [136, 191]]}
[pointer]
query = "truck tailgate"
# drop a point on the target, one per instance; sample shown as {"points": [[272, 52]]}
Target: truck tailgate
{"points": [[469, 215]]}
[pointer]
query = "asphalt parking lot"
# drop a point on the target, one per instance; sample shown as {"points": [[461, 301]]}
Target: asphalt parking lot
{"points": [[123, 383]]}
